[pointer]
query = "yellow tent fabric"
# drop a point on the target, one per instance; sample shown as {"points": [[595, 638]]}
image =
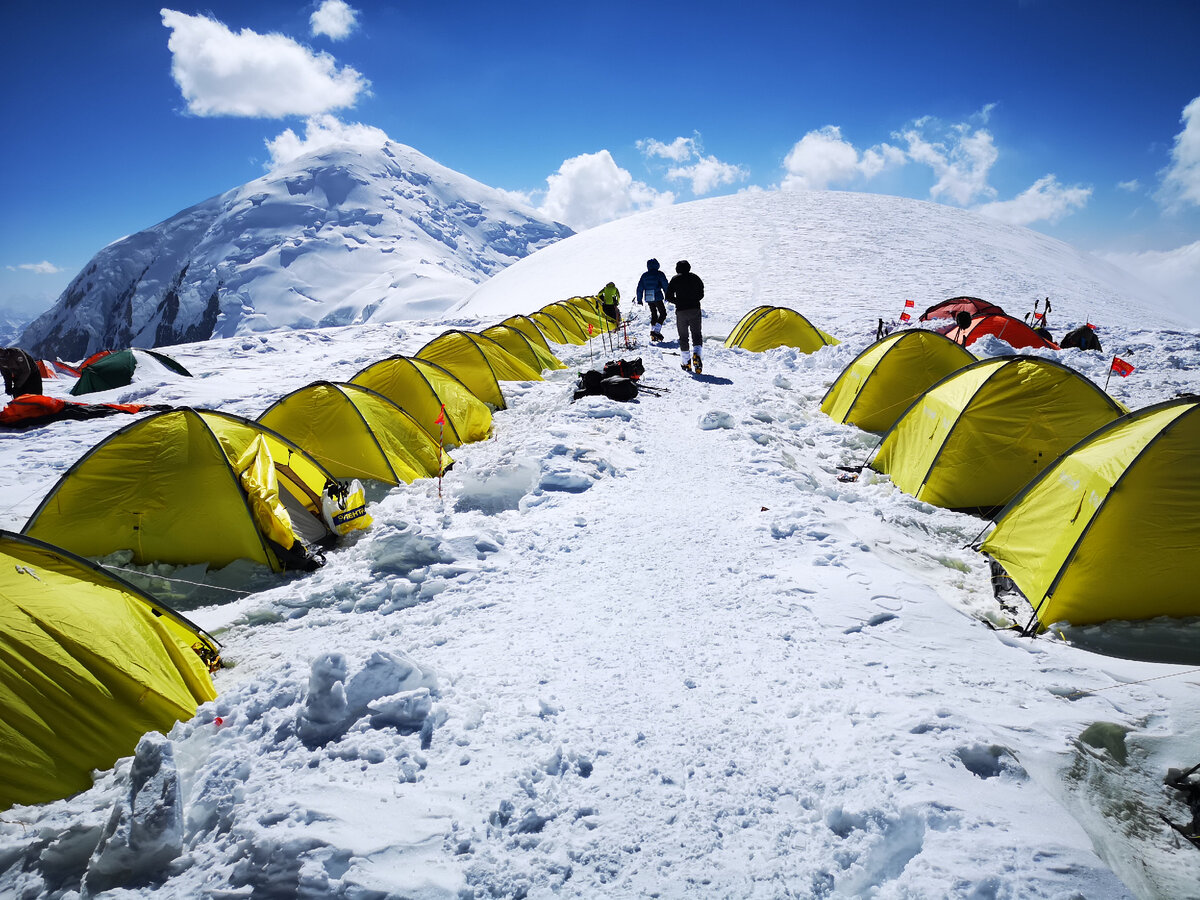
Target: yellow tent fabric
{"points": [[524, 349], [1111, 530], [165, 488], [478, 362], [256, 470], [982, 433], [88, 664], [554, 331], [883, 381], [530, 329], [421, 388], [573, 325], [768, 327], [590, 311], [356, 433]]}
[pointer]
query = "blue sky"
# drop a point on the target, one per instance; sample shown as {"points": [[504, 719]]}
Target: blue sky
{"points": [[1074, 117]]}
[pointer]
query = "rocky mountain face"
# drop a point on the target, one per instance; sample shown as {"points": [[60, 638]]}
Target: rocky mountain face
{"points": [[342, 236]]}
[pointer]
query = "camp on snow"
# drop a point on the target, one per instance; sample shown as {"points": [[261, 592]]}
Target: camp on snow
{"points": [[478, 362], [884, 380], [424, 390], [979, 435], [105, 371], [1012, 331], [534, 354], [89, 664], [949, 309], [190, 486], [768, 327], [530, 329], [356, 433], [1110, 530], [563, 324]]}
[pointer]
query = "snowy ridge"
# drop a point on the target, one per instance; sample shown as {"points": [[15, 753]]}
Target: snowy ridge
{"points": [[345, 235], [648, 649]]}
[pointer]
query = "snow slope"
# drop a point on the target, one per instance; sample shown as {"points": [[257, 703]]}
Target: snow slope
{"points": [[347, 234], [656, 648]]}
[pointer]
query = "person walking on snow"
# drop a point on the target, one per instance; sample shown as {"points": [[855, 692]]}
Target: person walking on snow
{"points": [[652, 286], [609, 298], [685, 291]]}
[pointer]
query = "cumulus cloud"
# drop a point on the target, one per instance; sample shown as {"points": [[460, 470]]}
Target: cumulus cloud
{"points": [[320, 132], [1133, 185], [1181, 179], [823, 159], [1046, 200], [591, 189], [41, 268], [960, 156], [222, 73], [335, 19], [705, 172], [1176, 273]]}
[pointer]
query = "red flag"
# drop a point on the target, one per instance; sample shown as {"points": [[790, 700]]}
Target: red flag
{"points": [[1121, 367], [1037, 316], [904, 317], [1091, 326], [441, 419], [589, 329], [909, 304]]}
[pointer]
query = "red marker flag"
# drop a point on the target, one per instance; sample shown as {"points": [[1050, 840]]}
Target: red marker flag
{"points": [[1121, 367], [1037, 316], [441, 419], [904, 316], [1091, 326], [589, 329]]}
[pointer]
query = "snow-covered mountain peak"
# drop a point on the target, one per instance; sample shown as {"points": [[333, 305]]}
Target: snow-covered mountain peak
{"points": [[344, 235]]}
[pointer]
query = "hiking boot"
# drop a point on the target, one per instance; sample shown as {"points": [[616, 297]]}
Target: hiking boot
{"points": [[697, 365], [687, 367]]}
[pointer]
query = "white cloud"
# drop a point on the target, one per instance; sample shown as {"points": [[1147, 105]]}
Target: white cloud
{"points": [[1133, 186], [335, 19], [960, 157], [221, 73], [1176, 273], [591, 189], [319, 132], [1181, 179], [1044, 201], [823, 158], [42, 268], [706, 173], [678, 150]]}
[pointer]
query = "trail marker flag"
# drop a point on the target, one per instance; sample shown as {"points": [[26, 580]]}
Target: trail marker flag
{"points": [[906, 316], [1121, 367]]}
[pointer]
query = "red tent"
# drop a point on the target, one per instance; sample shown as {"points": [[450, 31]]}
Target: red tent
{"points": [[947, 309], [1012, 331]]}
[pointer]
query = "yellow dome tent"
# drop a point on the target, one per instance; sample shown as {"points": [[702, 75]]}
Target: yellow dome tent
{"points": [[1111, 530], [527, 351], [88, 664], [356, 433], [553, 331], [530, 329], [982, 433], [574, 327], [768, 327], [589, 309], [478, 362], [421, 389], [189, 486], [883, 381]]}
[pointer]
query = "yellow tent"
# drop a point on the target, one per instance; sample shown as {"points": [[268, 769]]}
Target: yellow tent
{"points": [[589, 309], [530, 329], [982, 433], [478, 362], [553, 331], [421, 389], [88, 664], [175, 488], [1111, 530], [768, 327], [356, 433], [573, 326], [882, 381], [523, 348]]}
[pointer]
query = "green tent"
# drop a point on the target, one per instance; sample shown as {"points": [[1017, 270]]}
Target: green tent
{"points": [[117, 369]]}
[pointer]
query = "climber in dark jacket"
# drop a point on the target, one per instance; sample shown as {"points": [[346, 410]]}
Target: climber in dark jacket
{"points": [[20, 371], [652, 287], [685, 291]]}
